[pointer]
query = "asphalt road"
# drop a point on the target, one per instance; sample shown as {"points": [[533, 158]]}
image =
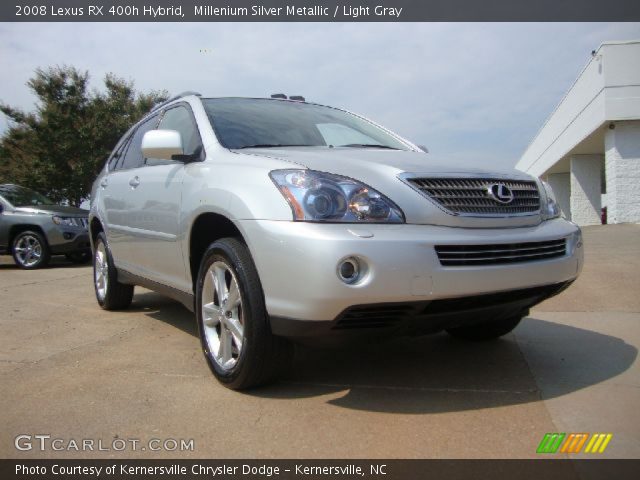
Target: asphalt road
{"points": [[73, 371]]}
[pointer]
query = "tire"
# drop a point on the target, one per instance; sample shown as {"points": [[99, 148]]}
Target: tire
{"points": [[30, 250], [486, 330], [79, 257], [111, 294], [232, 320]]}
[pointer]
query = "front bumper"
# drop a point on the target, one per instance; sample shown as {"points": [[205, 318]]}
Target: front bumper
{"points": [[63, 240], [418, 318], [297, 264]]}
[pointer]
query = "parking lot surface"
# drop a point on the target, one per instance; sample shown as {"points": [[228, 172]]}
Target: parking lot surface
{"points": [[72, 371]]}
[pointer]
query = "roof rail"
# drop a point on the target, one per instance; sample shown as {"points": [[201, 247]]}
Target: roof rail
{"points": [[175, 97]]}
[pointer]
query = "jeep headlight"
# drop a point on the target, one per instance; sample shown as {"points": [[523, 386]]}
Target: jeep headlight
{"points": [[550, 208], [68, 221], [325, 197]]}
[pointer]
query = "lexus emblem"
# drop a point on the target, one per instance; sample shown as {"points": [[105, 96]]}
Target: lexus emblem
{"points": [[500, 193]]}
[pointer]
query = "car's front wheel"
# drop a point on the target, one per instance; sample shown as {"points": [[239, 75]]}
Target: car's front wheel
{"points": [[30, 250], [488, 330], [111, 294], [232, 319]]}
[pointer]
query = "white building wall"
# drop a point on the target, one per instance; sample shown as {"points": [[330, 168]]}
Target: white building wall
{"points": [[561, 186], [579, 113], [586, 177], [608, 89], [622, 172]]}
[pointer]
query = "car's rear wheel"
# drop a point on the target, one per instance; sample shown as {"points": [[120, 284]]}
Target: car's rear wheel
{"points": [[30, 250], [486, 330], [232, 320], [111, 294]]}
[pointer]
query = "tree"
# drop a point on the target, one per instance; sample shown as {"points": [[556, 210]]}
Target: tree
{"points": [[60, 148]]}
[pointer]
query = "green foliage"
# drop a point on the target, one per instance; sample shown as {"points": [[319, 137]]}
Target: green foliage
{"points": [[59, 149]]}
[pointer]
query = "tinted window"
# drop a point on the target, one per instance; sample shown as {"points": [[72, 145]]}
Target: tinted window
{"points": [[114, 161], [133, 158], [180, 119], [23, 197], [246, 122]]}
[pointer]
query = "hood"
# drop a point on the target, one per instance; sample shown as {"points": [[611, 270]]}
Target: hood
{"points": [[380, 169], [346, 160], [54, 210]]}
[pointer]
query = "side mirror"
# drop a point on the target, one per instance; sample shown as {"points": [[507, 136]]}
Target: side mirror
{"points": [[161, 144], [423, 148]]}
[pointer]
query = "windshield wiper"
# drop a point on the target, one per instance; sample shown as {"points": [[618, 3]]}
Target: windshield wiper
{"points": [[273, 145], [368, 145]]}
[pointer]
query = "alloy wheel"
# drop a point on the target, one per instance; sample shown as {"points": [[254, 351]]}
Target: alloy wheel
{"points": [[101, 271], [222, 314], [28, 250]]}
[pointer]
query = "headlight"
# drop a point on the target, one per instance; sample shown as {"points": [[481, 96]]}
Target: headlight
{"points": [[324, 197], [550, 208], [69, 221]]}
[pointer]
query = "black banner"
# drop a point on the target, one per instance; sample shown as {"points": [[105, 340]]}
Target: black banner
{"points": [[317, 10], [543, 469]]}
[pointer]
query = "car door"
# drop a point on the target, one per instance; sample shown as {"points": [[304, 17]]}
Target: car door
{"points": [[122, 196], [158, 205], [4, 227]]}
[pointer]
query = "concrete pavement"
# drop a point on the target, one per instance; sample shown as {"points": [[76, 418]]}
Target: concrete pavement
{"points": [[74, 371]]}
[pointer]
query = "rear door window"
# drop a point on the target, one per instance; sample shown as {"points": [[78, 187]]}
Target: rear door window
{"points": [[115, 161]]}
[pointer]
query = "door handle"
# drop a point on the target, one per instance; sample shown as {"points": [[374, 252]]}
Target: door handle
{"points": [[134, 182], [104, 182]]}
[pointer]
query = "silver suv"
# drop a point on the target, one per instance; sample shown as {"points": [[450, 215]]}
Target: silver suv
{"points": [[278, 220]]}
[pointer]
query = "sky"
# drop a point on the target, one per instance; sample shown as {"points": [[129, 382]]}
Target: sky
{"points": [[477, 91]]}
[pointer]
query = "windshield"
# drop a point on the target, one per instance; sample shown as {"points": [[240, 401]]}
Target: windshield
{"points": [[256, 122], [23, 197]]}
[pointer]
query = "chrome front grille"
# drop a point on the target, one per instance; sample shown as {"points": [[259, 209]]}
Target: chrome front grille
{"points": [[498, 254], [471, 196], [82, 222]]}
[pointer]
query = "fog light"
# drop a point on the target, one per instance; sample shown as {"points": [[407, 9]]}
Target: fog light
{"points": [[349, 270], [575, 241], [578, 237], [68, 235]]}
